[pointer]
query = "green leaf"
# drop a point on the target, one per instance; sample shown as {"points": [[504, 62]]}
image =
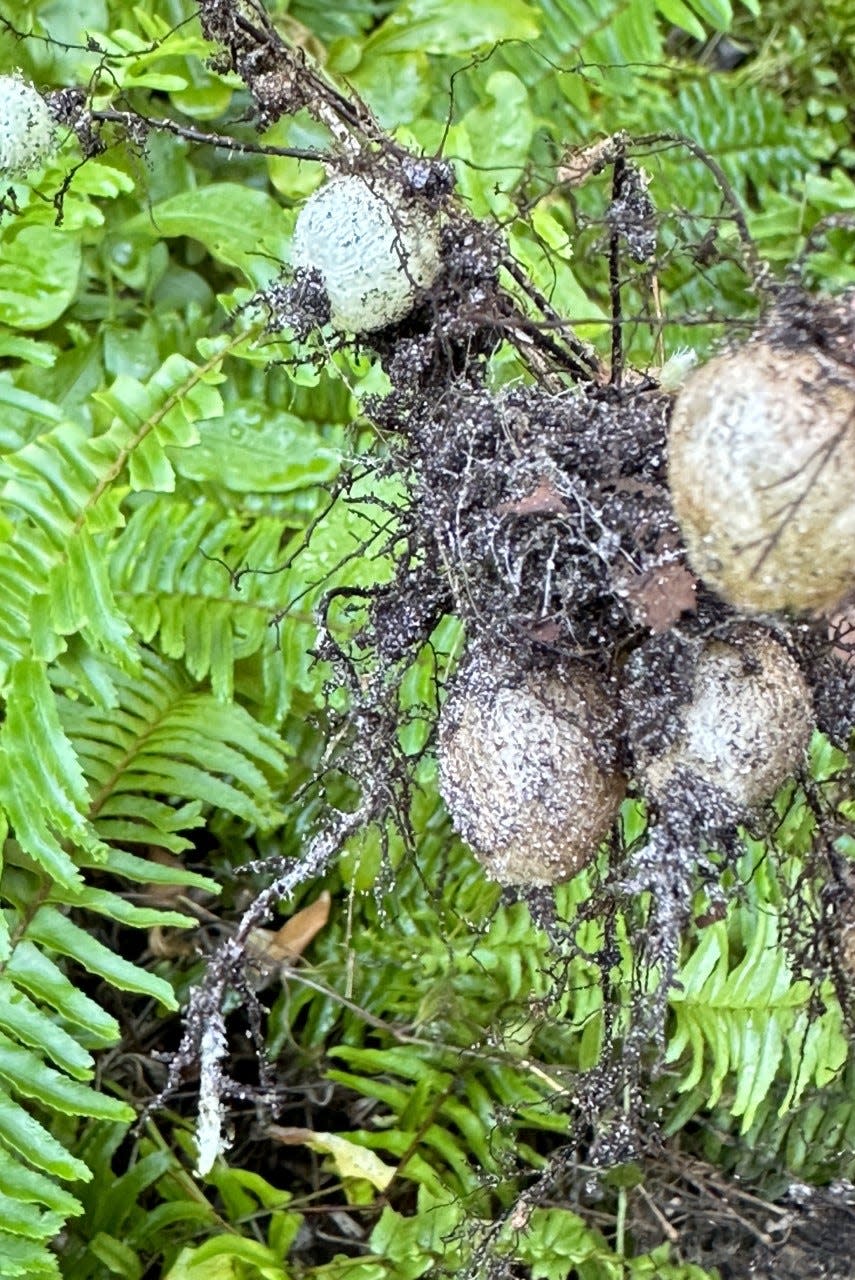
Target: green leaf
{"points": [[252, 449], [16, 346], [26, 1220], [28, 1186], [52, 929], [442, 27], [24, 1135], [350, 1159], [213, 1261], [681, 15], [117, 908], [44, 980], [41, 782], [24, 1072], [26, 1259], [39, 269], [23, 1019], [118, 1257], [718, 13], [147, 871], [239, 226]]}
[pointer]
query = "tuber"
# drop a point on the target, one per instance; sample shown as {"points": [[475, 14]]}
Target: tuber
{"points": [[762, 476], [373, 246], [527, 769]]}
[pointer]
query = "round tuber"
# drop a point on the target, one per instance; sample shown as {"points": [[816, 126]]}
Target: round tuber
{"points": [[27, 129], [373, 248], [762, 476], [742, 728], [527, 770]]}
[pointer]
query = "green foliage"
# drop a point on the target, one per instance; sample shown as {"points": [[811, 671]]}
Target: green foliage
{"points": [[750, 1022]]}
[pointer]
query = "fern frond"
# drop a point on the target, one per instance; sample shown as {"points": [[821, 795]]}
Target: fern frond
{"points": [[58, 495], [814, 1140], [77, 776], [148, 418], [63, 493], [47, 1029], [746, 1024], [42, 788], [746, 128], [27, 1259], [170, 573], [613, 34], [167, 737]]}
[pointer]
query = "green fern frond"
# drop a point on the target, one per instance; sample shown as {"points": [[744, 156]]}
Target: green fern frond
{"points": [[63, 493], [814, 1140], [145, 419], [168, 737], [42, 787], [47, 1029], [78, 776], [58, 494], [573, 32], [170, 573], [747, 1025], [747, 129], [27, 1259]]}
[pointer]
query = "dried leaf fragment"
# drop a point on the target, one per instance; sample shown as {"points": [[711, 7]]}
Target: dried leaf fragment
{"points": [[660, 595], [350, 1160], [270, 948], [544, 500]]}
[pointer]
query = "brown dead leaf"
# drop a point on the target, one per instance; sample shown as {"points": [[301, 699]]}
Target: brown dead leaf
{"points": [[545, 500], [545, 632], [660, 595], [841, 633], [169, 944], [582, 162], [271, 948]]}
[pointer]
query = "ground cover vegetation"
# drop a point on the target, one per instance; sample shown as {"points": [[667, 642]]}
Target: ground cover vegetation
{"points": [[426, 771]]}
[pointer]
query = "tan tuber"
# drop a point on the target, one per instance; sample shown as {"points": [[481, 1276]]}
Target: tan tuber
{"points": [[527, 770]]}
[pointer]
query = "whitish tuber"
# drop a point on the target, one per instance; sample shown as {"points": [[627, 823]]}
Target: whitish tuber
{"points": [[741, 729], [373, 247], [27, 129]]}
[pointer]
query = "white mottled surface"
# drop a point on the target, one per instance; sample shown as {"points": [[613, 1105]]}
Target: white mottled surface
{"points": [[521, 771], [372, 248], [27, 129], [747, 726]]}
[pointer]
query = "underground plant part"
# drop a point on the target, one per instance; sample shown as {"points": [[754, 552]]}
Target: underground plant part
{"points": [[527, 769], [743, 725], [762, 476], [27, 129], [374, 247]]}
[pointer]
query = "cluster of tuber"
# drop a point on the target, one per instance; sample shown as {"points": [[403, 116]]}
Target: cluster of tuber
{"points": [[761, 474], [606, 677]]}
